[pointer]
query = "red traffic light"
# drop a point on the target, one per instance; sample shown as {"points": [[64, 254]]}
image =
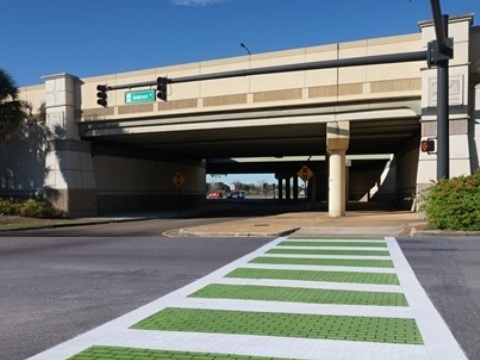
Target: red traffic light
{"points": [[428, 145]]}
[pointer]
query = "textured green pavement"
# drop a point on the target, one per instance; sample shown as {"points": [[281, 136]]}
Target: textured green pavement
{"points": [[312, 275], [333, 244], [300, 295], [353, 328], [328, 252], [322, 262], [121, 353]]}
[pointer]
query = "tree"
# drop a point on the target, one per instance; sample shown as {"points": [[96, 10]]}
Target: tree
{"points": [[12, 112], [35, 118]]}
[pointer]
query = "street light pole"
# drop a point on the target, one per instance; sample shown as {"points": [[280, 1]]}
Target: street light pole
{"points": [[246, 48]]}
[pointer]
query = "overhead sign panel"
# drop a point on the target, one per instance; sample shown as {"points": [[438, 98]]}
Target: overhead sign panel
{"points": [[134, 97]]}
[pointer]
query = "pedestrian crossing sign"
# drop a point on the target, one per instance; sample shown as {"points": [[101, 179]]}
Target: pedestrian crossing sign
{"points": [[305, 173]]}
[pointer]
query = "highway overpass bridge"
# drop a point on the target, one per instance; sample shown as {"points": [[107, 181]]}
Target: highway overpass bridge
{"points": [[357, 128]]}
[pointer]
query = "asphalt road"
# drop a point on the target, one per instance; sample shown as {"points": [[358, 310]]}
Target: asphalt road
{"points": [[57, 283], [55, 288], [154, 227], [449, 270]]}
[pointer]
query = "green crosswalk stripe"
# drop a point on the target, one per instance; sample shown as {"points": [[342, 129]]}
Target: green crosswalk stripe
{"points": [[311, 275], [352, 328], [333, 243], [328, 252], [302, 295], [322, 262]]}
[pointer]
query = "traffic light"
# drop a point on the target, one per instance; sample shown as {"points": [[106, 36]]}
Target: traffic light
{"points": [[162, 88], [428, 145], [102, 95]]}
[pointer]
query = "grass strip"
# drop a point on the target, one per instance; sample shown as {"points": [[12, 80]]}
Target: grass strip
{"points": [[311, 275], [352, 328], [113, 352], [301, 295], [333, 243], [329, 252], [322, 262]]}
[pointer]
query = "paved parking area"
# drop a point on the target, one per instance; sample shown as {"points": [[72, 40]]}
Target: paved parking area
{"points": [[302, 298]]}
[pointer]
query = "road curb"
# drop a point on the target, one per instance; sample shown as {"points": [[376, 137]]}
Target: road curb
{"points": [[188, 233]]}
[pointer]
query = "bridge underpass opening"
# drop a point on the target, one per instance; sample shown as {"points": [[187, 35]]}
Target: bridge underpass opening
{"points": [[371, 180], [285, 143], [381, 159]]}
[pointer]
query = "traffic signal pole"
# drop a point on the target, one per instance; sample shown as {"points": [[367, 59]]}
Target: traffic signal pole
{"points": [[443, 121], [440, 53], [327, 64]]}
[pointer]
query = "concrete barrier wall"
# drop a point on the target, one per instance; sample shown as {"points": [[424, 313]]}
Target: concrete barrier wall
{"points": [[406, 161], [135, 184], [374, 181]]}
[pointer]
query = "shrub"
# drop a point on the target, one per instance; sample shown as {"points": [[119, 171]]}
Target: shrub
{"points": [[29, 208], [7, 207], [453, 204]]}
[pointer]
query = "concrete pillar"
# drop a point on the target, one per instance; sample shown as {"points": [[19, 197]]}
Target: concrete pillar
{"points": [[70, 181], [295, 188], [336, 193], [338, 138], [287, 188], [280, 188]]}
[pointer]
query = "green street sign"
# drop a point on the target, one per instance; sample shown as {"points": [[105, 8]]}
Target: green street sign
{"points": [[133, 97]]}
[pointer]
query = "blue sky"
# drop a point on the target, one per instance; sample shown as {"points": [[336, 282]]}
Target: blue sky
{"points": [[88, 38]]}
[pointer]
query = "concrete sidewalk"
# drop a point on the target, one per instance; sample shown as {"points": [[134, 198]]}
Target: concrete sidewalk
{"points": [[355, 223]]}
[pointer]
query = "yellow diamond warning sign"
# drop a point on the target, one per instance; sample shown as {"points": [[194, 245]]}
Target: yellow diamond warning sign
{"points": [[305, 173], [178, 179]]}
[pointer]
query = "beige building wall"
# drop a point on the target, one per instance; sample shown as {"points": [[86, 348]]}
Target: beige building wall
{"points": [[460, 75], [135, 184], [35, 95]]}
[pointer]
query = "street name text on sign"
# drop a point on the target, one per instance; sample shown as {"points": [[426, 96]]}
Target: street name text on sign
{"points": [[133, 97]]}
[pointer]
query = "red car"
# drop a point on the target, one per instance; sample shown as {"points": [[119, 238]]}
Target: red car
{"points": [[215, 195]]}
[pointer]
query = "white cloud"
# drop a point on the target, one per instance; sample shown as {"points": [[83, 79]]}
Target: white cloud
{"points": [[195, 2]]}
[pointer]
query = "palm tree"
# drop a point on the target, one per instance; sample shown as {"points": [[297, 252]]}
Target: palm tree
{"points": [[12, 113]]}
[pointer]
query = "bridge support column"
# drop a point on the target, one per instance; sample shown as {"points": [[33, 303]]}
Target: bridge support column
{"points": [[287, 188], [280, 187], [336, 191], [295, 187], [338, 138], [69, 180]]}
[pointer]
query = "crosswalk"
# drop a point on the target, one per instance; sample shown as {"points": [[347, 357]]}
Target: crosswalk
{"points": [[296, 298]]}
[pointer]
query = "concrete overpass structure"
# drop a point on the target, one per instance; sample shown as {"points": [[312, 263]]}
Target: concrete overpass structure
{"points": [[124, 157]]}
